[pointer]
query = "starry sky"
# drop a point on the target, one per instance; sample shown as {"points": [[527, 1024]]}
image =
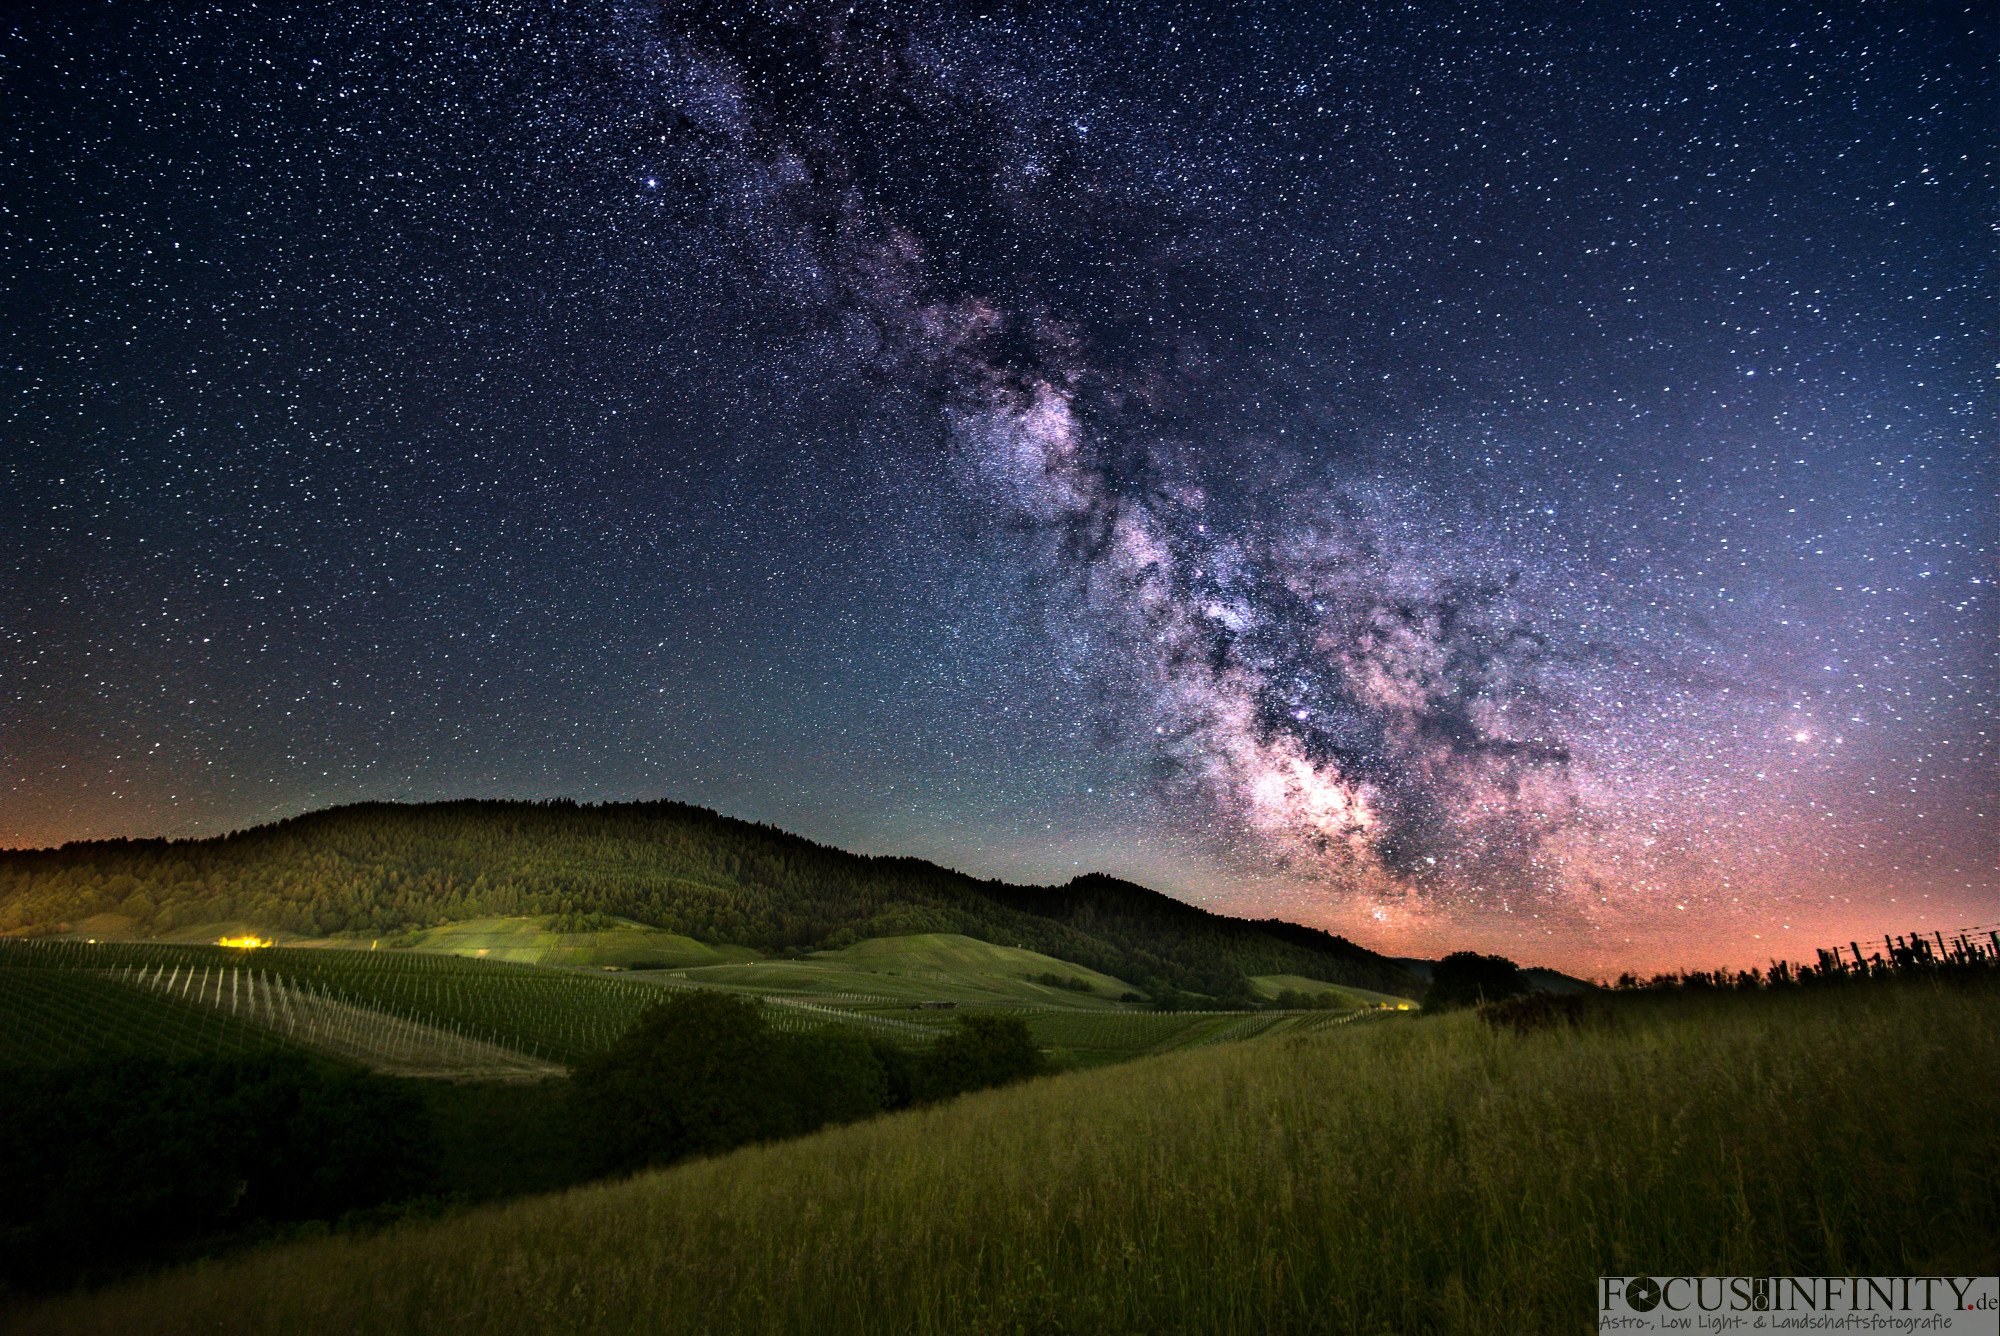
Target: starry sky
{"points": [[1458, 474]]}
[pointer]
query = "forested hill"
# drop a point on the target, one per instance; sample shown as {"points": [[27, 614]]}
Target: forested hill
{"points": [[379, 868]]}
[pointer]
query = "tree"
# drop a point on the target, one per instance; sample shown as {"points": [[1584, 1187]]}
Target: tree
{"points": [[1466, 979], [696, 1074], [980, 1051], [832, 1076]]}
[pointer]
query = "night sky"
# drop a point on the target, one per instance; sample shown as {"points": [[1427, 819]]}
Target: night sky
{"points": [[1511, 476]]}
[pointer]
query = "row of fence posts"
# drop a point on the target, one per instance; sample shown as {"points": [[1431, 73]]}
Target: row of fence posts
{"points": [[1912, 953], [299, 1009]]}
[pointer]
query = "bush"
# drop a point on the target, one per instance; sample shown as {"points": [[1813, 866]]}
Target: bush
{"points": [[704, 1072], [1295, 999], [696, 1074], [582, 922], [899, 1073], [980, 1051], [834, 1077]]}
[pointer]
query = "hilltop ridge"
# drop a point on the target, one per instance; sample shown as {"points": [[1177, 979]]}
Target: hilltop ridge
{"points": [[386, 868]]}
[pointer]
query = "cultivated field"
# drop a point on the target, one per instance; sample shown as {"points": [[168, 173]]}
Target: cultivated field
{"points": [[1407, 1175], [421, 1013], [65, 1015], [1269, 986], [927, 967]]}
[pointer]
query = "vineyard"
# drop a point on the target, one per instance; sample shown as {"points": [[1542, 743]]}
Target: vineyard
{"points": [[438, 1015], [309, 1015], [1098, 1037], [61, 1015], [421, 1014]]}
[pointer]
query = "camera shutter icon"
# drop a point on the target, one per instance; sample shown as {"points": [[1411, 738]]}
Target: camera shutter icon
{"points": [[1643, 1294]]}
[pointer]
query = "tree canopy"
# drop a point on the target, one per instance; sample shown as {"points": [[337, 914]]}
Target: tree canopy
{"points": [[1466, 979], [703, 1072], [385, 868]]}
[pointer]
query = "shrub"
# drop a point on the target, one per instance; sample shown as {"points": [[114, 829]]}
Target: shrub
{"points": [[704, 1072], [833, 1076], [696, 1074], [980, 1051]]}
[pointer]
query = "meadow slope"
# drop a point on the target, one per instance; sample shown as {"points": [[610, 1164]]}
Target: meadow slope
{"points": [[1404, 1175]]}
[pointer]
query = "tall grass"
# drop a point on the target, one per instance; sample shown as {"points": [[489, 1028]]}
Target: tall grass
{"points": [[1422, 1175]]}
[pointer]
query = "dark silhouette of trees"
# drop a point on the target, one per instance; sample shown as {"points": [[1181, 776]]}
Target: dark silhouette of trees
{"points": [[384, 869], [1466, 979], [111, 1162], [697, 1074], [704, 1072], [981, 1051], [834, 1076]]}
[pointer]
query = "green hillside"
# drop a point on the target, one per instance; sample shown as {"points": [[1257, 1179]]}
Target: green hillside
{"points": [[533, 941], [1410, 1176], [925, 967], [385, 871]]}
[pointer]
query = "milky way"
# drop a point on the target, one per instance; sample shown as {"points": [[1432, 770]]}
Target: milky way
{"points": [[1453, 479]]}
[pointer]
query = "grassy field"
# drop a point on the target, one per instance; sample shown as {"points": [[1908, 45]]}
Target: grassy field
{"points": [[381, 1007], [909, 968], [1401, 1175], [528, 941], [1268, 986], [1091, 1039], [924, 967]]}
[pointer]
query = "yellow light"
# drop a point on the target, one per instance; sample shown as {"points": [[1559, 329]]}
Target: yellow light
{"points": [[243, 942]]}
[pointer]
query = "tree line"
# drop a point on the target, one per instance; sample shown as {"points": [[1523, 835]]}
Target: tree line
{"points": [[381, 869]]}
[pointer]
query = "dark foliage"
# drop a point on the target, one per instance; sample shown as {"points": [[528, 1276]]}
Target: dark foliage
{"points": [[981, 1051], [114, 1162], [704, 1072], [833, 1076], [1293, 999], [1467, 979], [699, 1073], [382, 868], [501, 1138], [899, 1073]]}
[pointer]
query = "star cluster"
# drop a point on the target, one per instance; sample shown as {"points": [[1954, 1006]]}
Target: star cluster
{"points": [[1459, 476]]}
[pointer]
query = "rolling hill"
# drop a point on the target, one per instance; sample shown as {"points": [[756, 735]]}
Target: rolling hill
{"points": [[384, 870]]}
